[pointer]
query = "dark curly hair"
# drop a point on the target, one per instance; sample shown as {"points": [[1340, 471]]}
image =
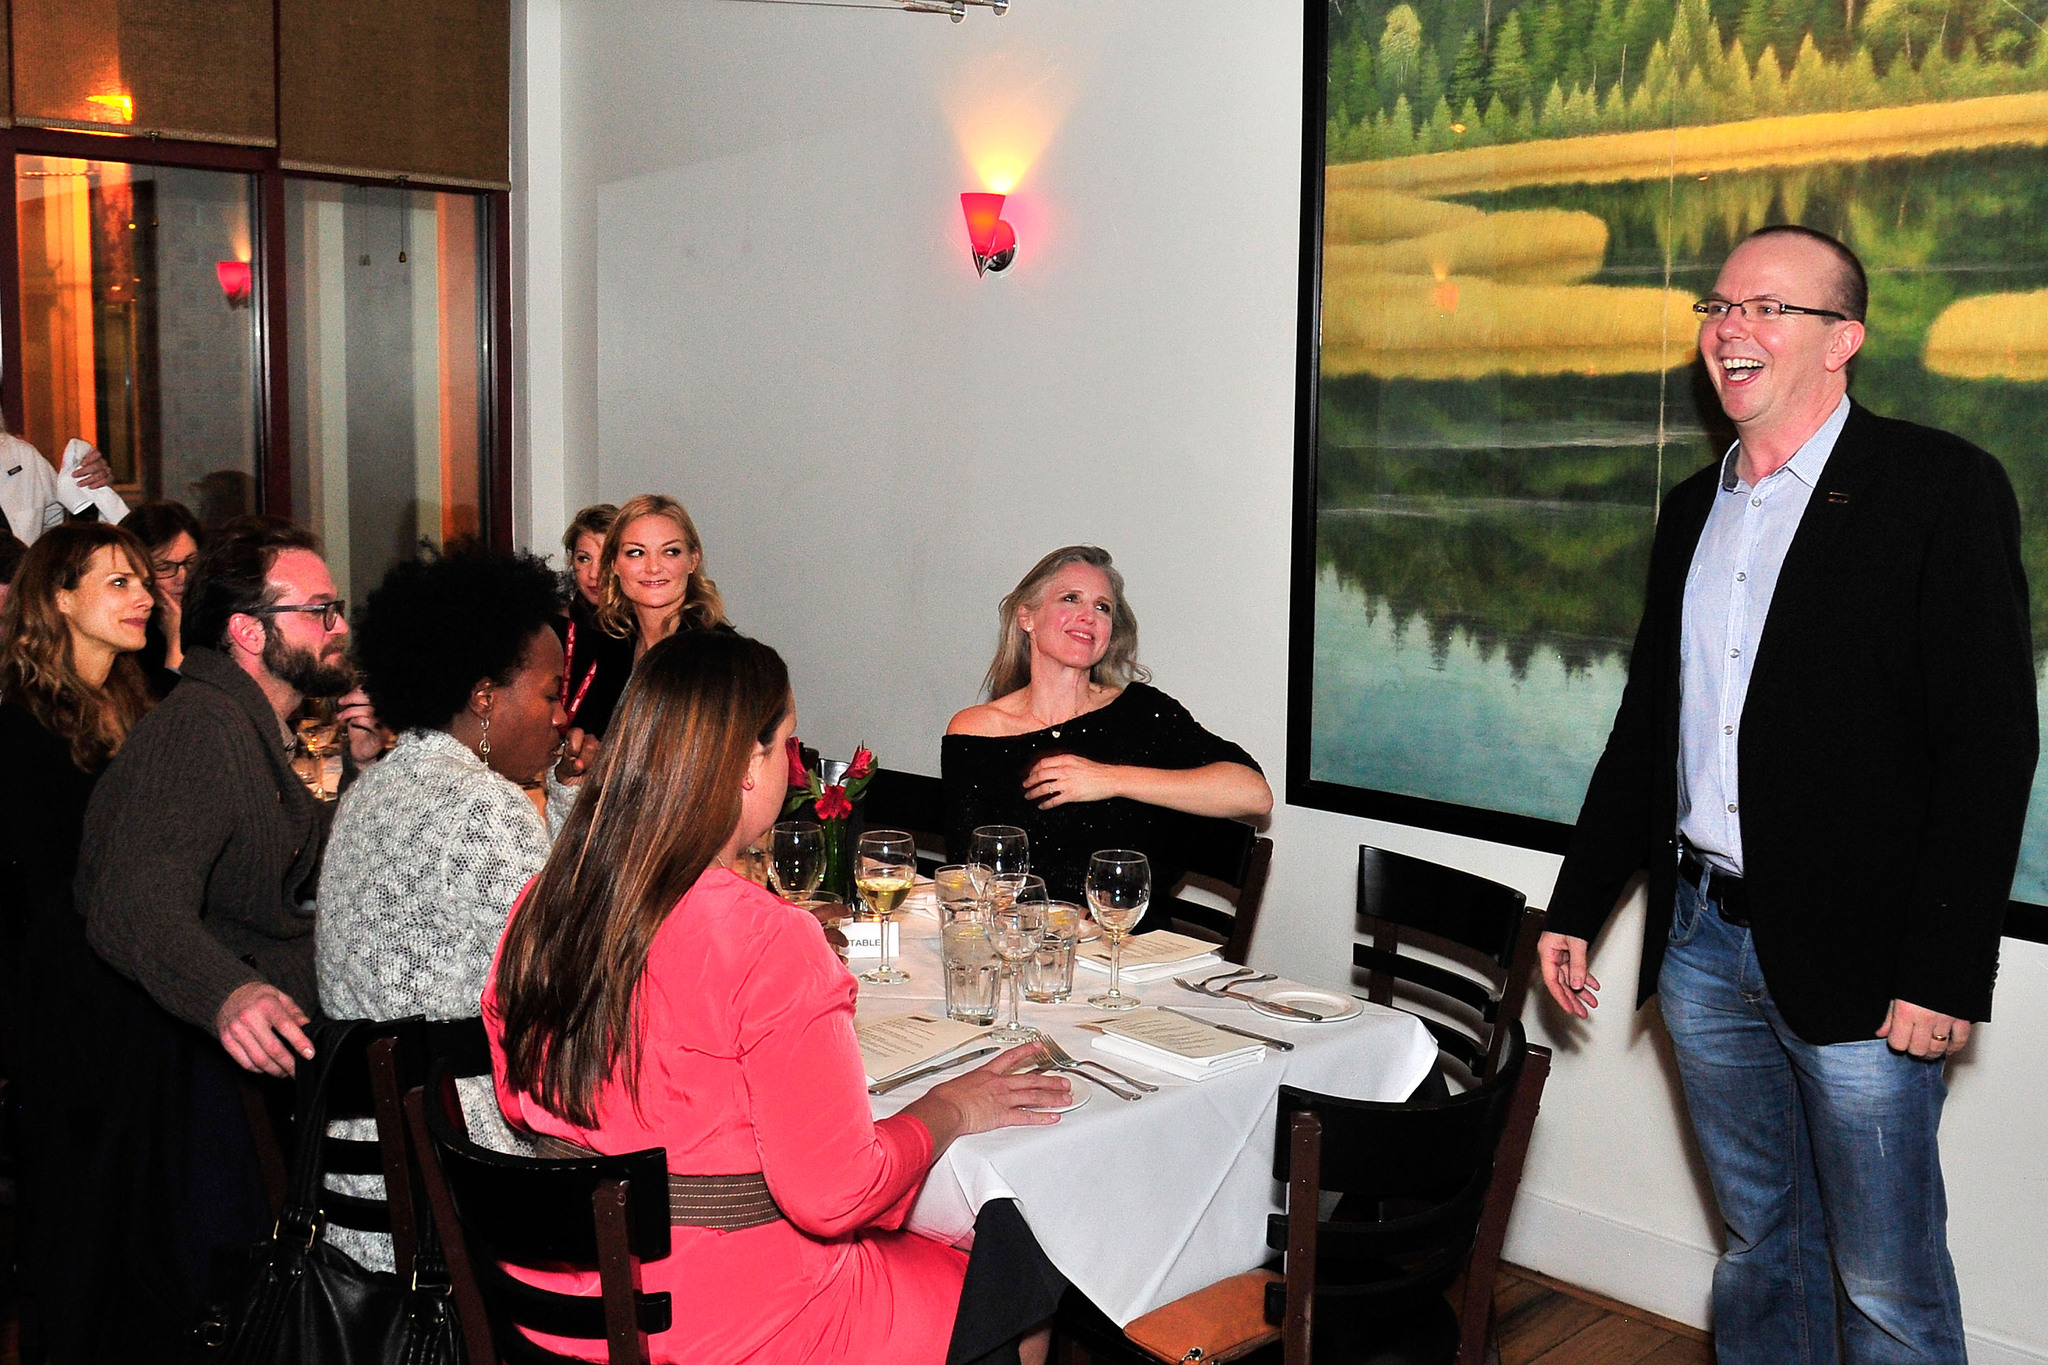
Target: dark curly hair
{"points": [[438, 625]]}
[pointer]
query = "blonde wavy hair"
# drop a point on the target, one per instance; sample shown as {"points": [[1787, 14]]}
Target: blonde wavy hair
{"points": [[701, 609], [1119, 667]]}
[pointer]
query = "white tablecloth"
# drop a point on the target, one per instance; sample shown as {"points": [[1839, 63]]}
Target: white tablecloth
{"points": [[1140, 1203]]}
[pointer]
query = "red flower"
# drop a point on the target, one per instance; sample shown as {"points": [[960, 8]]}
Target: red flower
{"points": [[833, 805], [863, 764], [797, 776]]}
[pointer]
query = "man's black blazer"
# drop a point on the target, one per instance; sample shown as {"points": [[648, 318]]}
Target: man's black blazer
{"points": [[1887, 741]]}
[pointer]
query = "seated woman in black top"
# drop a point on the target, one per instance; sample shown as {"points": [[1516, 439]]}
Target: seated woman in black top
{"points": [[1074, 744], [650, 584]]}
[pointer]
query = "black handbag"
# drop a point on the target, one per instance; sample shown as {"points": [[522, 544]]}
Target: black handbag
{"points": [[304, 1302]]}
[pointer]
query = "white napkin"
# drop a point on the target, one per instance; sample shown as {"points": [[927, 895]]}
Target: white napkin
{"points": [[1152, 971], [77, 499], [1159, 1059]]}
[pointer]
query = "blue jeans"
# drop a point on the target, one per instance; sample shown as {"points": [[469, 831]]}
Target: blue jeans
{"points": [[1813, 1151]]}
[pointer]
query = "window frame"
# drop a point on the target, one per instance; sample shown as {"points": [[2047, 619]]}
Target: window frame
{"points": [[267, 303]]}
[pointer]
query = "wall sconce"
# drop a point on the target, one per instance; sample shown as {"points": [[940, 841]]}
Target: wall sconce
{"points": [[235, 282], [994, 242]]}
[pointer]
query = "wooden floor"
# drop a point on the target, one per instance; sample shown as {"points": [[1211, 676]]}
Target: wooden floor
{"points": [[1543, 1322]]}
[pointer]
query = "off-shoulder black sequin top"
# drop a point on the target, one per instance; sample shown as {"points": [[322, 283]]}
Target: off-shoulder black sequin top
{"points": [[1143, 727]]}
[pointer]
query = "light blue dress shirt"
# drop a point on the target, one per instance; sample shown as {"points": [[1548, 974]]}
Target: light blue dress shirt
{"points": [[1727, 596]]}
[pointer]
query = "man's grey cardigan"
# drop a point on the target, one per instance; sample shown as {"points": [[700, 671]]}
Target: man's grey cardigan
{"points": [[200, 844]]}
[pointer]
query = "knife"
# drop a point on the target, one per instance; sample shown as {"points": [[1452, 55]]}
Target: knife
{"points": [[884, 1087], [1278, 1043]]}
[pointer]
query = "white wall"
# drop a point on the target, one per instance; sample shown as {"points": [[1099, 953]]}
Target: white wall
{"points": [[788, 334]]}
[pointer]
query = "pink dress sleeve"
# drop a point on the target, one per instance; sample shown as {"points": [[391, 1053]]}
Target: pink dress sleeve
{"points": [[831, 1167]]}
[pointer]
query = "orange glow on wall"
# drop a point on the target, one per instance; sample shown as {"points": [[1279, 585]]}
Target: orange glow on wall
{"points": [[122, 107]]}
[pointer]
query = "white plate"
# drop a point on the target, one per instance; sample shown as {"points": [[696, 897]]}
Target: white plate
{"points": [[1080, 1098], [1331, 1005]]}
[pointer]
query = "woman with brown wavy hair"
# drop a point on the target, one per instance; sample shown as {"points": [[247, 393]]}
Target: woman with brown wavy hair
{"points": [[70, 690], [645, 995]]}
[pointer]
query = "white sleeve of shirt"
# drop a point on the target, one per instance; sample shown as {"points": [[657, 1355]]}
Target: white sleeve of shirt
{"points": [[28, 489]]}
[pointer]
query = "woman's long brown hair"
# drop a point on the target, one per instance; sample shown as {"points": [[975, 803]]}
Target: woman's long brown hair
{"points": [[660, 804], [701, 608], [37, 670]]}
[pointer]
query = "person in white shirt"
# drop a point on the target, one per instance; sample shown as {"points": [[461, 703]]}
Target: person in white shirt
{"points": [[28, 486]]}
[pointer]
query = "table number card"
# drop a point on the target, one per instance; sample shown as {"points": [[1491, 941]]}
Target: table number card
{"points": [[888, 1046]]}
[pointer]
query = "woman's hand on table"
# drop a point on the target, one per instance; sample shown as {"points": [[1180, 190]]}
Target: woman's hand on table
{"points": [[1003, 1093]]}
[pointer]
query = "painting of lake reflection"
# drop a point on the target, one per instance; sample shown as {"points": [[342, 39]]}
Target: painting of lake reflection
{"points": [[1515, 228]]}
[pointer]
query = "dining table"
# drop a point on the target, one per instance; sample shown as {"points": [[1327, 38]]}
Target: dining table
{"points": [[1136, 1203]]}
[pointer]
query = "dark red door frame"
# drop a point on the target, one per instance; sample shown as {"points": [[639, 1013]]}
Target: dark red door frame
{"points": [[273, 390]]}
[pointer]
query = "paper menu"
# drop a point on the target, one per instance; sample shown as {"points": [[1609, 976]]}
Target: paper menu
{"points": [[889, 1046], [1185, 1038], [1161, 947], [77, 499]]}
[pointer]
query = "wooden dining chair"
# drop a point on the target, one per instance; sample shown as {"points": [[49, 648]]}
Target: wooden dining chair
{"points": [[1426, 1188], [604, 1213], [1482, 939], [365, 1061], [913, 803], [1229, 859]]}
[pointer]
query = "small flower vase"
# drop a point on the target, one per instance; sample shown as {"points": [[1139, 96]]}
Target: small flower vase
{"points": [[839, 860]]}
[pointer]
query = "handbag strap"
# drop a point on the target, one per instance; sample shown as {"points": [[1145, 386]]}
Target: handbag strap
{"points": [[302, 1196]]}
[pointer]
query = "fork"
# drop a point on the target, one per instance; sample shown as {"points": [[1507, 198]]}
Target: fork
{"points": [[1063, 1059], [1206, 986], [1074, 1069]]}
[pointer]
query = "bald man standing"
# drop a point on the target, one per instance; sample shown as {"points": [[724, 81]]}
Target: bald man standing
{"points": [[1822, 758]]}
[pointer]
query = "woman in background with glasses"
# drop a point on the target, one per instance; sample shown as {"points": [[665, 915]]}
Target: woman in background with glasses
{"points": [[645, 995], [174, 538]]}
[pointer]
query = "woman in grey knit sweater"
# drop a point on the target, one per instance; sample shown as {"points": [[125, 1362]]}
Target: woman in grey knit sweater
{"points": [[431, 846]]}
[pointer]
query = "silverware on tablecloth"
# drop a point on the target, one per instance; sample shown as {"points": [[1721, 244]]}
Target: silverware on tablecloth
{"points": [[1046, 1059], [1229, 992], [883, 1087], [1065, 1058], [1278, 1043]]}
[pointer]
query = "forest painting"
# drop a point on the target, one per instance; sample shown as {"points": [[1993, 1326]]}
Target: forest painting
{"points": [[1519, 204]]}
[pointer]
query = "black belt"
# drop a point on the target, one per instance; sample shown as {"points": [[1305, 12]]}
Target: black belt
{"points": [[1724, 889]]}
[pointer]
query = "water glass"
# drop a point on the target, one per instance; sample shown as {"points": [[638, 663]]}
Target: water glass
{"points": [[1049, 975], [1119, 890], [796, 858], [1015, 931], [972, 972], [958, 898]]}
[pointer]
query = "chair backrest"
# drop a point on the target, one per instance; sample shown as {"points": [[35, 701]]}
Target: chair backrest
{"points": [[1231, 859], [913, 803], [1427, 1187], [346, 1051], [1489, 928], [603, 1213]]}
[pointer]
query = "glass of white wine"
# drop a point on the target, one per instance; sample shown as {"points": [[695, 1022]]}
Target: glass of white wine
{"points": [[884, 870], [1015, 930], [1119, 890], [796, 858], [996, 851]]}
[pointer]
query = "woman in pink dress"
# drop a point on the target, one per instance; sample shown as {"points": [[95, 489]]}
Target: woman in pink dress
{"points": [[646, 996]]}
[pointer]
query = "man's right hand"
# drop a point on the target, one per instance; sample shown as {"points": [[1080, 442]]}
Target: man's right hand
{"points": [[263, 1029], [1563, 960]]}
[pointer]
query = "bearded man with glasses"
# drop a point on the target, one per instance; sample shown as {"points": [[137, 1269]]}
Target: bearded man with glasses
{"points": [[196, 876], [1822, 758]]}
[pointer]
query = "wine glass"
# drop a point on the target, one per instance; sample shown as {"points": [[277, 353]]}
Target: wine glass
{"points": [[796, 858], [1015, 930], [884, 869], [993, 851], [1119, 889]]}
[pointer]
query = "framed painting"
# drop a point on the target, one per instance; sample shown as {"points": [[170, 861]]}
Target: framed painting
{"points": [[1509, 207]]}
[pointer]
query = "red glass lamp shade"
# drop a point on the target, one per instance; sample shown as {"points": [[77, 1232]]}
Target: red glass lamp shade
{"points": [[994, 242], [235, 281]]}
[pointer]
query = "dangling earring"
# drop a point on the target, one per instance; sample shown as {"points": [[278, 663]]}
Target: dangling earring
{"points": [[483, 748]]}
